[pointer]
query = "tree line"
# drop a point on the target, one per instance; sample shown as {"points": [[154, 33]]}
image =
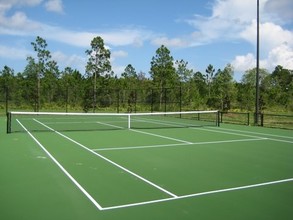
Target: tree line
{"points": [[42, 85]]}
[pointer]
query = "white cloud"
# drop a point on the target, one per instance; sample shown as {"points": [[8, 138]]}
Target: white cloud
{"points": [[276, 47], [18, 24], [54, 6], [78, 39], [281, 10], [13, 52], [173, 42], [126, 36], [50, 5], [122, 37], [73, 61], [118, 70], [119, 53], [231, 10], [12, 3], [281, 55], [271, 35], [242, 63], [228, 18]]}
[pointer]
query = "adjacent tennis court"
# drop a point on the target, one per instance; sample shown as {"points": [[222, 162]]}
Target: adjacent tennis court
{"points": [[69, 167]]}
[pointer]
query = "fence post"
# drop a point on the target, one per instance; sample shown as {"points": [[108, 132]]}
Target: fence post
{"points": [[261, 119], [135, 99], [248, 120], [180, 101], [152, 101], [8, 122], [165, 96], [118, 100]]}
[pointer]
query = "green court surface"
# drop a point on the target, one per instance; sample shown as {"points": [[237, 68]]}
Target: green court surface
{"points": [[209, 172]]}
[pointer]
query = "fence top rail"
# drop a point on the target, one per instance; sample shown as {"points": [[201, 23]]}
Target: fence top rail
{"points": [[236, 113], [281, 115]]}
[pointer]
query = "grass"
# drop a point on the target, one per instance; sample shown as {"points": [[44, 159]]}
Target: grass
{"points": [[200, 169]]}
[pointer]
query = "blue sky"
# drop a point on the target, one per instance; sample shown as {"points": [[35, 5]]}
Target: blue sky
{"points": [[201, 32]]}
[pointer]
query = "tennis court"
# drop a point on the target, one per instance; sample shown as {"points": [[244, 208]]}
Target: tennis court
{"points": [[52, 170]]}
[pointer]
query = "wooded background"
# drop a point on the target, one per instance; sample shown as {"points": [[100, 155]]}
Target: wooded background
{"points": [[168, 86]]}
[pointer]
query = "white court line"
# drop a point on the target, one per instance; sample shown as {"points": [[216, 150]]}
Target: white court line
{"points": [[255, 138], [257, 133], [278, 140], [161, 136], [211, 130], [114, 126], [110, 161], [175, 197], [138, 147], [249, 132], [205, 129], [199, 194], [143, 132], [230, 133], [62, 168], [172, 145]]}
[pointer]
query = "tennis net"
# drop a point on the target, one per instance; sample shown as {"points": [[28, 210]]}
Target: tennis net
{"points": [[59, 121]]}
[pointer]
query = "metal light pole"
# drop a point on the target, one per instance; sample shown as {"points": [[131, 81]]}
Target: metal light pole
{"points": [[256, 118]]}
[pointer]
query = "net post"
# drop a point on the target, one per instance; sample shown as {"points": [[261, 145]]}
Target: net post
{"points": [[218, 118], [8, 123], [128, 124]]}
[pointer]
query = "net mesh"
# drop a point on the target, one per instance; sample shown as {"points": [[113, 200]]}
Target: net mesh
{"points": [[48, 121]]}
